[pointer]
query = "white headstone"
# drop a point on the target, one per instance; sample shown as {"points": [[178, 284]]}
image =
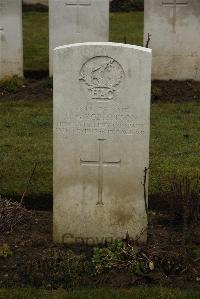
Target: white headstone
{"points": [[174, 27], [11, 45], [101, 141], [77, 21]]}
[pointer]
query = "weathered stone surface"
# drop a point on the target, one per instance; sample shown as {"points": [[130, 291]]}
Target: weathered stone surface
{"points": [[174, 29], [74, 21], [101, 141], [11, 46]]}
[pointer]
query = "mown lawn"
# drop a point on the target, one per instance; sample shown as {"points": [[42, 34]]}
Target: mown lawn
{"points": [[123, 27], [26, 140], [174, 145], [127, 27], [136, 293], [36, 40]]}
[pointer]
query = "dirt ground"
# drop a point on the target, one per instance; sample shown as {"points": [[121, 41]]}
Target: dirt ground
{"points": [[164, 91], [37, 261]]}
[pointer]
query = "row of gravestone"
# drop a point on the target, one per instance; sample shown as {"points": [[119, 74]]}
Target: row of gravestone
{"points": [[102, 119], [171, 30], [101, 138]]}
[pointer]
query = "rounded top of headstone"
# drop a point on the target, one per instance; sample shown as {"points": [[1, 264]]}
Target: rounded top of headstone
{"points": [[104, 44]]}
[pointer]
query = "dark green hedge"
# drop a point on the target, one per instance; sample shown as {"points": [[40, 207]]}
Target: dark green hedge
{"points": [[115, 5], [35, 7], [126, 5]]}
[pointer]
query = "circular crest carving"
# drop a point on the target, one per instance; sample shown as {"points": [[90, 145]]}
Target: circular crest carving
{"points": [[103, 76]]}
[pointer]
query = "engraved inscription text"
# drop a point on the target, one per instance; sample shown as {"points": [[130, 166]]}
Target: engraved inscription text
{"points": [[101, 122]]}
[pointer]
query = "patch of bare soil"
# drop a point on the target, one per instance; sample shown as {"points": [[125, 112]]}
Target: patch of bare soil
{"points": [[32, 89], [29, 257], [175, 91]]}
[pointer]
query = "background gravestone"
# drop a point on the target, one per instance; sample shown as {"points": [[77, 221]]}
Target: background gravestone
{"points": [[73, 21], [11, 44], [101, 141], [174, 29]]}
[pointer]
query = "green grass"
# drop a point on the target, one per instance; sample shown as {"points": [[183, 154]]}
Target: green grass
{"points": [[127, 26], [123, 26], [175, 143], [36, 40], [26, 139], [136, 293]]}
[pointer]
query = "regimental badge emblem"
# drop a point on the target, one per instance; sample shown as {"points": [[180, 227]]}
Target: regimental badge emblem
{"points": [[103, 76]]}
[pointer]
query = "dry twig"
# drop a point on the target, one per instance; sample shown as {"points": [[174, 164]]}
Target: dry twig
{"points": [[148, 40]]}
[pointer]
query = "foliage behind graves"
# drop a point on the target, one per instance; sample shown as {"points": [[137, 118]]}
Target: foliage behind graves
{"points": [[115, 5], [35, 7], [126, 5]]}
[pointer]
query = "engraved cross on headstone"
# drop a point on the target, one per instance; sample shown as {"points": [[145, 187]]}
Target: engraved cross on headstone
{"points": [[174, 4], [78, 4], [100, 163]]}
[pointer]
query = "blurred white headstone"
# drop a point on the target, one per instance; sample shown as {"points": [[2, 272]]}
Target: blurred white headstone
{"points": [[173, 27], [74, 21], [11, 40]]}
